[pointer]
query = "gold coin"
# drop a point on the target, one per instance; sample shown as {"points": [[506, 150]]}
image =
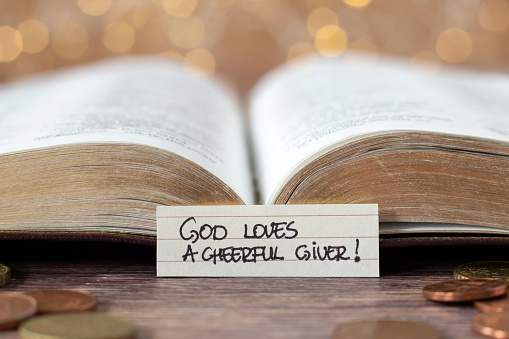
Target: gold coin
{"points": [[77, 326], [500, 304], [5, 275], [385, 329], [483, 269], [15, 307], [494, 325], [465, 290], [60, 301]]}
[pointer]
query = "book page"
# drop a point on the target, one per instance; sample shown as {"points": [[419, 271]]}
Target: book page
{"points": [[430, 227], [298, 113], [149, 101]]}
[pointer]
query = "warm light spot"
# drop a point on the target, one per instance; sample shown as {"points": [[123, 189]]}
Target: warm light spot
{"points": [[118, 37], [179, 8], [201, 62], [426, 61], [11, 43], [70, 41], [172, 54], [454, 45], [357, 3], [361, 51], [138, 16], [494, 15], [320, 17], [35, 36], [297, 50], [94, 7], [330, 41], [187, 32]]}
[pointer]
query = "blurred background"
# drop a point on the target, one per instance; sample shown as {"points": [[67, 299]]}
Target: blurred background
{"points": [[240, 40]]}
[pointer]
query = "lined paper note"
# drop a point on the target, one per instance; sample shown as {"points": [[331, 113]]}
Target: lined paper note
{"points": [[268, 241]]}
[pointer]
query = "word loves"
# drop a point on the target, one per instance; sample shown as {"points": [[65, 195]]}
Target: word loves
{"points": [[202, 239]]}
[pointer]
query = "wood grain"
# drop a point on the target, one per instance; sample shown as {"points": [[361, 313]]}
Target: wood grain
{"points": [[123, 279]]}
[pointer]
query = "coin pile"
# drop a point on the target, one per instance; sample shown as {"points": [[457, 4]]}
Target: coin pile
{"points": [[62, 314], [465, 290], [485, 283]]}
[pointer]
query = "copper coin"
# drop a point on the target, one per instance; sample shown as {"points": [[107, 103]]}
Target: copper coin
{"points": [[483, 269], [5, 275], [14, 308], [500, 304], [465, 290], [60, 301], [494, 325], [385, 329], [82, 325]]}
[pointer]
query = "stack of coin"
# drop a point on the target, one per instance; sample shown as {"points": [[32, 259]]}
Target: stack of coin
{"points": [[465, 290], [485, 283], [494, 321], [66, 314]]}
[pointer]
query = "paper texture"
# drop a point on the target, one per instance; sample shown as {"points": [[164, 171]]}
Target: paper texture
{"points": [[298, 114], [268, 241], [148, 101]]}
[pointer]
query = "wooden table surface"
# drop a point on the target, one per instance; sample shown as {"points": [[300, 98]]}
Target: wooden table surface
{"points": [[123, 277]]}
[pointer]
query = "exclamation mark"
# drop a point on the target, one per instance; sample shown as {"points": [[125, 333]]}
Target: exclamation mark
{"points": [[357, 258]]}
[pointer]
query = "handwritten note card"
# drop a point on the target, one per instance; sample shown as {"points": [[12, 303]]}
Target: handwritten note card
{"points": [[268, 241]]}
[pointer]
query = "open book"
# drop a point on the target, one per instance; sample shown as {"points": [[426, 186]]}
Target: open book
{"points": [[88, 153]]}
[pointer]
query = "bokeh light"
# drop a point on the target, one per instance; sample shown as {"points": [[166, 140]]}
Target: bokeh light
{"points": [[201, 62], [494, 15], [357, 3], [180, 8], [35, 36], [11, 43], [319, 18], [244, 39], [454, 45], [119, 37], [94, 7], [330, 41]]}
